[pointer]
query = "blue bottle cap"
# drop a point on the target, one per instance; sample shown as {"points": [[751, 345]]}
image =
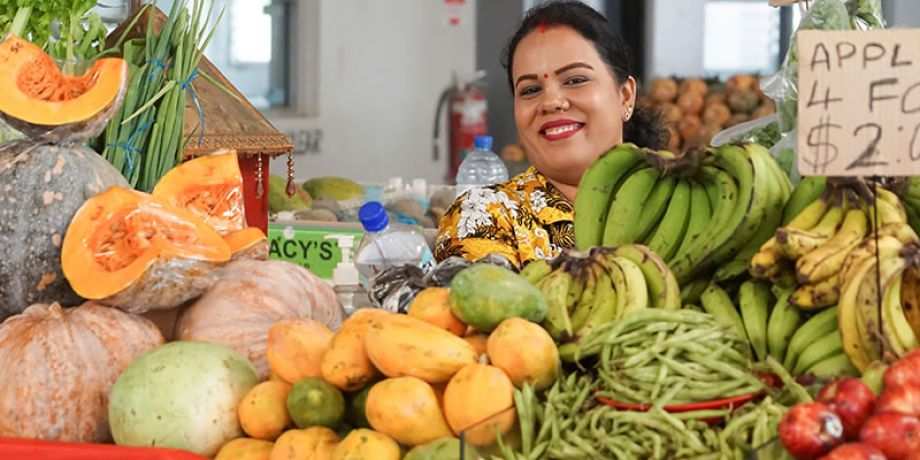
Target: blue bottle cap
{"points": [[373, 216], [482, 142]]}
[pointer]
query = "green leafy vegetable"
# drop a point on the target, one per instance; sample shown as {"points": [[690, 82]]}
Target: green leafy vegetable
{"points": [[68, 30]]}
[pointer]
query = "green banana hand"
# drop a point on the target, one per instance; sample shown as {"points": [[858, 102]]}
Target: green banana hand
{"points": [[596, 191], [754, 301]]}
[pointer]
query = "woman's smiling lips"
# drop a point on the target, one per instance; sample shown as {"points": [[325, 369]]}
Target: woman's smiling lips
{"points": [[560, 129]]}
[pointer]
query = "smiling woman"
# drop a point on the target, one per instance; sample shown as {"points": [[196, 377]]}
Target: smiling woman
{"points": [[574, 99]]}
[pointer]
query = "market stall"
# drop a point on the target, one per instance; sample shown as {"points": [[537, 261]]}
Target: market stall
{"points": [[762, 303]]}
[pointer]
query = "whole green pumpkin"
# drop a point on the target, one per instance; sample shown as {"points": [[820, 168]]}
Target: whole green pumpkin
{"points": [[41, 187]]}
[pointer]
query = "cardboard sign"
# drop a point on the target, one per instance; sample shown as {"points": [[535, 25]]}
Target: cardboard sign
{"points": [[859, 102], [308, 247]]}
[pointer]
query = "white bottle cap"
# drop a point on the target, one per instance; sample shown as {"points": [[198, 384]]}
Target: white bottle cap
{"points": [[395, 184], [345, 272], [419, 185]]}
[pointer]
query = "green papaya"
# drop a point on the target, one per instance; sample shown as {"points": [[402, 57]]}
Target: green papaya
{"points": [[484, 295], [333, 188], [279, 201], [442, 449]]}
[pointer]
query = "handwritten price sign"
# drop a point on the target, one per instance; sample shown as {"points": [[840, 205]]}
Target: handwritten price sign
{"points": [[859, 103]]}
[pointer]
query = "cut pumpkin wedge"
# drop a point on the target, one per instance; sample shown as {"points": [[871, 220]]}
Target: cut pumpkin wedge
{"points": [[211, 187], [36, 92], [126, 249], [248, 243]]}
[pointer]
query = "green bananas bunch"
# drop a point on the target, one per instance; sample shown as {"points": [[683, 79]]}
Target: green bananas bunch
{"points": [[886, 270], [778, 329], [748, 316], [586, 290], [910, 196], [705, 210], [810, 249]]}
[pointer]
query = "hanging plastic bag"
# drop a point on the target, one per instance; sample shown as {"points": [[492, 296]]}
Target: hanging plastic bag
{"points": [[394, 288], [782, 86]]}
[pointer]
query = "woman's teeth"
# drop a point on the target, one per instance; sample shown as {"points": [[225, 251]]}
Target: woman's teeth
{"points": [[562, 129]]}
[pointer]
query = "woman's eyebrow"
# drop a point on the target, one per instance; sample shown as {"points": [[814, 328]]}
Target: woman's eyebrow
{"points": [[530, 76], [574, 65]]}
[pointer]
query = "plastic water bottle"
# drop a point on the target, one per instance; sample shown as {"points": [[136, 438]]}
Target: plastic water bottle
{"points": [[388, 244], [481, 167]]}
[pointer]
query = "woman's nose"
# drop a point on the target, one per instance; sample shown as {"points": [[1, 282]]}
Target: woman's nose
{"points": [[553, 100]]}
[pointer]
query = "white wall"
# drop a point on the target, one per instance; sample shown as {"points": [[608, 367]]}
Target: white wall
{"points": [[382, 66], [674, 37], [902, 13]]}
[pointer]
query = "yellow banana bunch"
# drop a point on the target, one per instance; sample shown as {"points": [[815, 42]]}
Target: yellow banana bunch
{"points": [[585, 290]]}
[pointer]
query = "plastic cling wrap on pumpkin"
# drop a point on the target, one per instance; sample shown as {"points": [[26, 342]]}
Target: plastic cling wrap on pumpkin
{"points": [[209, 186], [37, 99], [126, 249]]}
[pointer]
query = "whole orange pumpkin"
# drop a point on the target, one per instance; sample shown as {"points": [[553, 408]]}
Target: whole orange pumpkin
{"points": [[62, 364], [249, 298]]}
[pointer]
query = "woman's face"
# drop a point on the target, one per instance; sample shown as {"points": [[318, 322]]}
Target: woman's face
{"points": [[568, 107]]}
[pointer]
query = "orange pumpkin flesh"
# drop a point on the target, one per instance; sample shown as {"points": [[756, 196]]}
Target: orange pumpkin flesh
{"points": [[211, 187], [122, 242], [36, 92], [248, 243]]}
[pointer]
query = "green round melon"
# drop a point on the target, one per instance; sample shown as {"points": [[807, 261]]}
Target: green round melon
{"points": [[313, 402], [442, 449], [484, 295], [182, 395]]}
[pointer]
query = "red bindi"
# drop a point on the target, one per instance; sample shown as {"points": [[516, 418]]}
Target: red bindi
{"points": [[545, 76]]}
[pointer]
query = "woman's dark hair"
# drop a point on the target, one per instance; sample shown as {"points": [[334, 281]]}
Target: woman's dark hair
{"points": [[645, 127]]}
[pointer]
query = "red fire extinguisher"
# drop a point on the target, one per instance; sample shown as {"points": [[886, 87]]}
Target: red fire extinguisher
{"points": [[467, 110]]}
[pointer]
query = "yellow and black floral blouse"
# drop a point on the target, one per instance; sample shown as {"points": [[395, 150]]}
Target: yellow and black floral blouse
{"points": [[523, 219]]}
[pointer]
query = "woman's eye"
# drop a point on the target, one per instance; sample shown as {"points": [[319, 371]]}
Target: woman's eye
{"points": [[529, 90], [576, 80]]}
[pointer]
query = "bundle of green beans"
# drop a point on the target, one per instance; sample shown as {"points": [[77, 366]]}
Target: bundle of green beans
{"points": [[662, 357], [570, 425], [144, 140], [752, 430]]}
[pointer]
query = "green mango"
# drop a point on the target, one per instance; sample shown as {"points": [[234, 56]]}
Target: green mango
{"points": [[278, 200]]}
